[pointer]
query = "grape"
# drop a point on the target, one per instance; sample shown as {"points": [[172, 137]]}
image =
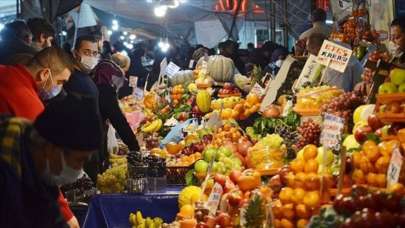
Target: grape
{"points": [[343, 105], [309, 133]]}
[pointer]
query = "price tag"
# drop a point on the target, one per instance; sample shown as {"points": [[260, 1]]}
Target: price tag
{"points": [[172, 69], [257, 90], [191, 64], [133, 81], [332, 129], [287, 107], [334, 56], [214, 198], [394, 169]]}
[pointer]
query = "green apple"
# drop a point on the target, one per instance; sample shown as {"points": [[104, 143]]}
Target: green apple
{"points": [[201, 166], [397, 76], [226, 151], [209, 154], [401, 88], [387, 87]]}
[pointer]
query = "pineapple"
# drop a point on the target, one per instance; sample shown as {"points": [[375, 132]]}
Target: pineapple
{"points": [[255, 213]]}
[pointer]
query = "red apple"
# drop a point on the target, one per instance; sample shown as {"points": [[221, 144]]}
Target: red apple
{"points": [[235, 174], [220, 179], [210, 221], [283, 172], [235, 197], [223, 220], [275, 183], [361, 133], [374, 122]]}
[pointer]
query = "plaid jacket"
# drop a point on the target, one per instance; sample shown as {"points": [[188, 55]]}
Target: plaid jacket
{"points": [[25, 201]]}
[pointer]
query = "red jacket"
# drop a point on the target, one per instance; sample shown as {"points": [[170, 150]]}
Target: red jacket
{"points": [[19, 97]]}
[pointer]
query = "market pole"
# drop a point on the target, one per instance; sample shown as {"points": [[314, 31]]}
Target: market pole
{"points": [[286, 27], [273, 21]]}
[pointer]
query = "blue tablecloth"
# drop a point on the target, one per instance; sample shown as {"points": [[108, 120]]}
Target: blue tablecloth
{"points": [[112, 210]]}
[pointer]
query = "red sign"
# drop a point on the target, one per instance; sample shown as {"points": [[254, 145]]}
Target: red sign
{"points": [[232, 6], [323, 4]]}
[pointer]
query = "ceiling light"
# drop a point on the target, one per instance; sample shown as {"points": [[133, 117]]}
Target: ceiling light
{"points": [[160, 11], [132, 37]]}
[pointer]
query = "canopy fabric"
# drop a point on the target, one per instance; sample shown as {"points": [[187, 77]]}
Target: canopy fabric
{"points": [[180, 21]]}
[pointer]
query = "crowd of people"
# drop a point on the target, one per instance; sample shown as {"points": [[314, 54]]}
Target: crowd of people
{"points": [[56, 104]]}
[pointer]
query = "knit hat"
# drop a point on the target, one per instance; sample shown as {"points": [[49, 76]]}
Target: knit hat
{"points": [[72, 122]]}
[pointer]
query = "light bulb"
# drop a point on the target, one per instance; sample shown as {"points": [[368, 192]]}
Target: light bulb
{"points": [[160, 11]]}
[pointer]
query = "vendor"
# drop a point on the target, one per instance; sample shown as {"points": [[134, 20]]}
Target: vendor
{"points": [[346, 80], [36, 158], [109, 76], [398, 41], [318, 18]]}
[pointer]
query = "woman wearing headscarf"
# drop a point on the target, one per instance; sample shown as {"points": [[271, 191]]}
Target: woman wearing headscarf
{"points": [[109, 76]]}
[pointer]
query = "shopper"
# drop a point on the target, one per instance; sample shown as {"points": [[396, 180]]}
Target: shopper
{"points": [[230, 49], [346, 80], [24, 87], [42, 31], [109, 77], [86, 54], [136, 68], [35, 158], [318, 18], [398, 41], [16, 38]]}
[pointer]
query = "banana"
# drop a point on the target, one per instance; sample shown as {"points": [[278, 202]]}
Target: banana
{"points": [[139, 217], [154, 126], [132, 219]]}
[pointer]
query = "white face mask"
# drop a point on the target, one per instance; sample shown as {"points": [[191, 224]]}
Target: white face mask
{"points": [[394, 49], [279, 63], [89, 62], [47, 95], [68, 175]]}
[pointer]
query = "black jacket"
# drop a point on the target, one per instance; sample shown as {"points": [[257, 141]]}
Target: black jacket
{"points": [[11, 47]]}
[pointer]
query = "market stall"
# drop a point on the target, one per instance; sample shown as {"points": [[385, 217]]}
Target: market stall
{"points": [[245, 151]]}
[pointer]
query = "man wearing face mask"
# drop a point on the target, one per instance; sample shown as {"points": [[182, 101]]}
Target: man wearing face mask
{"points": [[42, 33], [86, 55], [36, 158], [397, 41], [109, 77], [23, 88]]}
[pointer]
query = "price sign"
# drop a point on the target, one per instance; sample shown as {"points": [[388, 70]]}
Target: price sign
{"points": [[172, 69], [306, 73], [191, 64], [394, 169], [214, 198], [334, 56], [331, 134], [257, 90]]}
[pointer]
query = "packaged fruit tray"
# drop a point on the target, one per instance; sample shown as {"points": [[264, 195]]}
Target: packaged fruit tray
{"points": [[307, 112], [176, 175], [388, 99]]}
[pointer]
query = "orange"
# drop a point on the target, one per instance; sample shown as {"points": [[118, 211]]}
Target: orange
{"points": [[368, 144], [302, 223], [298, 195], [356, 157], [310, 152], [312, 181], [381, 180], [286, 194], [365, 165], [397, 188], [372, 179], [386, 148], [188, 223], [277, 223], [288, 211], [382, 164], [372, 153], [297, 166], [299, 181], [358, 176], [277, 212], [290, 180], [302, 211], [173, 148], [252, 99], [285, 223], [312, 199], [311, 166], [186, 211]]}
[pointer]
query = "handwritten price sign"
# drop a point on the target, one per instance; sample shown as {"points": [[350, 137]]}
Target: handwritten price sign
{"points": [[331, 134], [394, 169]]}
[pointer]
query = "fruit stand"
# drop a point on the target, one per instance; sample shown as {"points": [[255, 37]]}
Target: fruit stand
{"points": [[287, 166]]}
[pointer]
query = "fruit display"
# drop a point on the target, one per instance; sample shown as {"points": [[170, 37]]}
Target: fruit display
{"points": [[309, 133], [343, 105], [267, 155], [220, 68], [113, 180], [312, 99], [236, 108], [176, 94], [203, 101], [229, 90], [137, 220], [152, 126]]}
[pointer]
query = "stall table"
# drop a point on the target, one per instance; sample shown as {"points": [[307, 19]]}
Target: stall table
{"points": [[112, 210]]}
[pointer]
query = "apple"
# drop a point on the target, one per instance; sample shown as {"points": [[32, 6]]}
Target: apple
{"points": [[229, 186], [234, 198], [387, 88], [201, 166], [395, 107], [210, 221], [209, 154], [361, 133], [223, 220], [235, 175], [228, 86], [220, 179], [397, 76], [401, 88], [374, 122], [225, 151]]}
